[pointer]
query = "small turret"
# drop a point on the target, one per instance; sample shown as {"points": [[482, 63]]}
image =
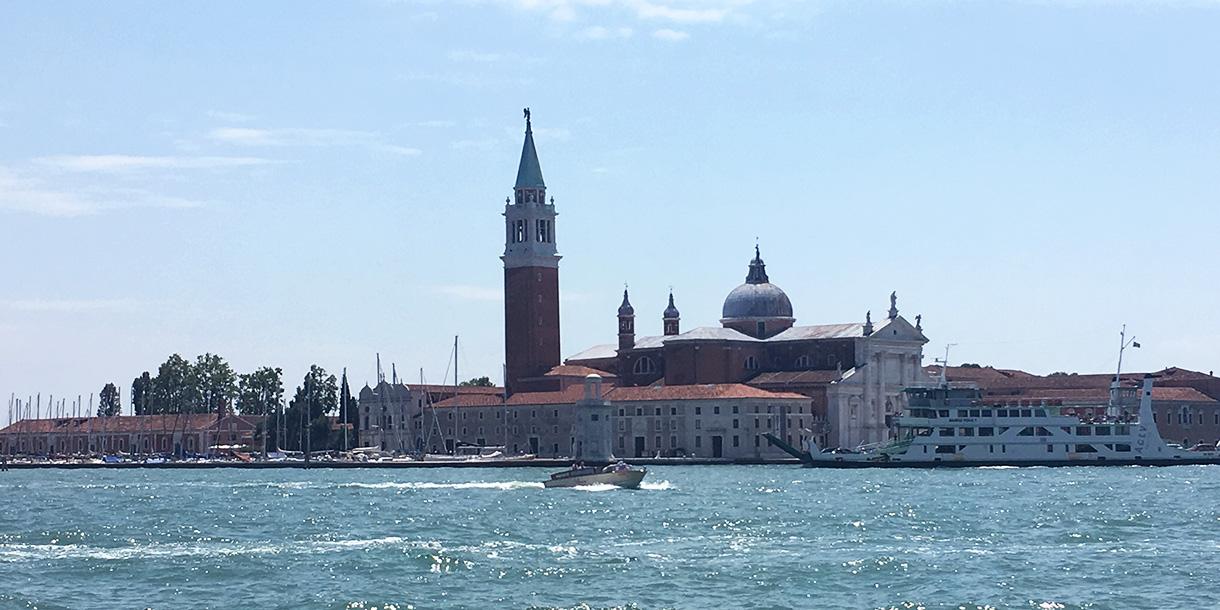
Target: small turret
{"points": [[626, 324], [671, 317]]}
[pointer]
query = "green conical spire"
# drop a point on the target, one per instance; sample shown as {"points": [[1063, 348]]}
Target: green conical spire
{"points": [[529, 172]]}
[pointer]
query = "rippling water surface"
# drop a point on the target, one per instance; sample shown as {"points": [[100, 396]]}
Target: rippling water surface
{"points": [[694, 537]]}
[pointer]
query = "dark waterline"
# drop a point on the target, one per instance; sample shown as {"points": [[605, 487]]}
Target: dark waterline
{"points": [[695, 537]]}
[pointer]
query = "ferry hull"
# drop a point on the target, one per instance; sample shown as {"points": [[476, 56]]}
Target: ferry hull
{"points": [[1201, 461]]}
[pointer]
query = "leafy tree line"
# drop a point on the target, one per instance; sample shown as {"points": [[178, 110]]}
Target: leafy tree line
{"points": [[207, 385]]}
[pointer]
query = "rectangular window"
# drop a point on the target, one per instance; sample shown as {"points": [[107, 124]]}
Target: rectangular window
{"points": [[946, 448], [1086, 449], [1103, 431], [986, 412], [963, 413], [1083, 431], [1001, 413], [965, 431], [1050, 448], [1040, 413], [734, 409], [698, 424], [658, 410], [1027, 413], [698, 410], [1026, 431], [698, 442], [734, 423], [673, 442], [736, 441], [673, 410], [987, 431], [974, 412], [946, 432], [716, 410], [639, 411]]}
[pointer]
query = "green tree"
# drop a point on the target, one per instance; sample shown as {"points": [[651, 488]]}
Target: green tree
{"points": [[141, 394], [315, 398], [349, 414], [478, 382], [173, 389], [109, 405], [214, 385], [260, 392]]}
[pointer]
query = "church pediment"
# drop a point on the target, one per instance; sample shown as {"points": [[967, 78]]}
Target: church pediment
{"points": [[898, 329]]}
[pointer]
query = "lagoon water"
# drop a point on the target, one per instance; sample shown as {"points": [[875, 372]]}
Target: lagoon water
{"points": [[695, 537]]}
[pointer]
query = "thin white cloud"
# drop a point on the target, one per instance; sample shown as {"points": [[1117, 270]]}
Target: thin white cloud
{"points": [[699, 14], [25, 194], [71, 305], [230, 117], [669, 35], [675, 11], [470, 293], [598, 32], [308, 137], [295, 136], [119, 163], [405, 151]]}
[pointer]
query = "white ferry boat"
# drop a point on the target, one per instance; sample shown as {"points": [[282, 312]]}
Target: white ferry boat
{"points": [[950, 426]]}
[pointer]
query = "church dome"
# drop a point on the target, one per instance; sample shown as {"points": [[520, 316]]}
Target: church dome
{"points": [[758, 297]]}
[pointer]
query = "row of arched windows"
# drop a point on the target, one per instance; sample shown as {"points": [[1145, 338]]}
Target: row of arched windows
{"points": [[646, 365]]}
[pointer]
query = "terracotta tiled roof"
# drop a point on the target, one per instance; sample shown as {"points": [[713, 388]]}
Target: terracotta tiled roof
{"points": [[433, 388], [696, 392], [980, 374], [124, 424], [641, 394], [796, 378], [575, 370], [469, 400], [1097, 395]]}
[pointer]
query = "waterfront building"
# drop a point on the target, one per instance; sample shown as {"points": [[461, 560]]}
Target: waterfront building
{"points": [[702, 420], [183, 433], [854, 373], [389, 413]]}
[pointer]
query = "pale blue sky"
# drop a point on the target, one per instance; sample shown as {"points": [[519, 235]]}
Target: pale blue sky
{"points": [[286, 183]]}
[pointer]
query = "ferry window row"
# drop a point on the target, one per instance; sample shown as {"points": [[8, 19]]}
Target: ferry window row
{"points": [[935, 413]]}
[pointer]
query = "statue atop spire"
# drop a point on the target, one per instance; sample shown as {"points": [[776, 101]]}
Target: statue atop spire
{"points": [[893, 305], [529, 172], [868, 323], [758, 269]]}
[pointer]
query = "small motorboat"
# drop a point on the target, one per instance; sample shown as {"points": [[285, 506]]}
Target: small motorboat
{"points": [[619, 475]]}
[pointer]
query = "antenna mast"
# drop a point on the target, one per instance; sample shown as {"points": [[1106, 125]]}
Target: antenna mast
{"points": [[1123, 343]]}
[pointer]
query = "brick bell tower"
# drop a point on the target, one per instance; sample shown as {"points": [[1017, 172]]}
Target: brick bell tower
{"points": [[531, 274]]}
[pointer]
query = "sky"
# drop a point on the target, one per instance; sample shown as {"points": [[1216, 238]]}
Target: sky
{"points": [[287, 183]]}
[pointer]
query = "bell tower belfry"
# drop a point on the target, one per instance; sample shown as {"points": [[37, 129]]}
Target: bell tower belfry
{"points": [[531, 273]]}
